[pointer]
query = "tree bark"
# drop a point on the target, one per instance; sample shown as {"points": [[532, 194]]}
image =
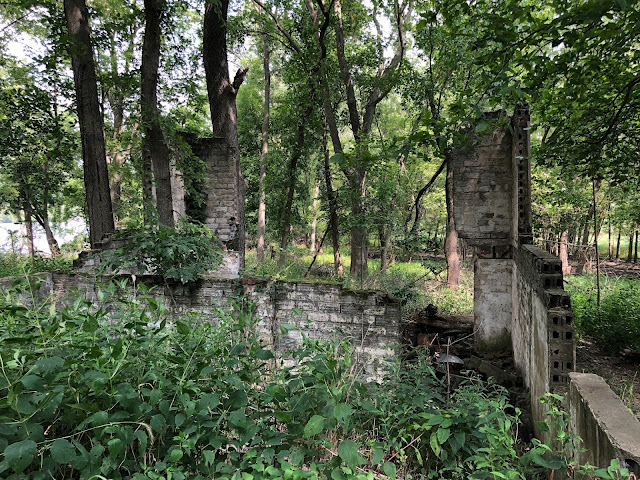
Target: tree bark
{"points": [[116, 160], [359, 232], [314, 219], [333, 206], [618, 245], [155, 150], [630, 254], [451, 240], [564, 253], [587, 224], [222, 102], [96, 177], [635, 250], [54, 247], [264, 152], [28, 226]]}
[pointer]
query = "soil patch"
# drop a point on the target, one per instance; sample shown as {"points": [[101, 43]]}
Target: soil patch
{"points": [[620, 371]]}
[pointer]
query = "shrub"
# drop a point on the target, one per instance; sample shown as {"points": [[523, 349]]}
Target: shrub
{"points": [[134, 394], [184, 253]]}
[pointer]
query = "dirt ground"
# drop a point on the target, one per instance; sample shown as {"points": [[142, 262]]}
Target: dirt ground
{"points": [[622, 371]]}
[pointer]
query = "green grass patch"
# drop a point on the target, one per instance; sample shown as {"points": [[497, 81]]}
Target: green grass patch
{"points": [[616, 324]]}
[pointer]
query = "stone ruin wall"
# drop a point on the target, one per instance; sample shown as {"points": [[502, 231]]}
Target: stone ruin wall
{"points": [[223, 213], [519, 301], [370, 321]]}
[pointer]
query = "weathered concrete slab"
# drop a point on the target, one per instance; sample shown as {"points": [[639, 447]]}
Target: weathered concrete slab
{"points": [[608, 429]]}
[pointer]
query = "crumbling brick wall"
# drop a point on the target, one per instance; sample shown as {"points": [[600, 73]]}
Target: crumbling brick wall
{"points": [[369, 321]]}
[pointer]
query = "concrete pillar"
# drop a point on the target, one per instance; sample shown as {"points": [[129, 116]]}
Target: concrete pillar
{"points": [[493, 289]]}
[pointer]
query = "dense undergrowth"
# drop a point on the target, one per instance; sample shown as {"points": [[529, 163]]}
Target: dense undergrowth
{"points": [[12, 265], [113, 389], [616, 324]]}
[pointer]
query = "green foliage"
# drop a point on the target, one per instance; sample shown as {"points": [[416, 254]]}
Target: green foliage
{"points": [[149, 397], [184, 253], [12, 265], [616, 325]]}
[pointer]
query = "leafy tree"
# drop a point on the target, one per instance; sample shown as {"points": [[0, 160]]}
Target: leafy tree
{"points": [[38, 151]]}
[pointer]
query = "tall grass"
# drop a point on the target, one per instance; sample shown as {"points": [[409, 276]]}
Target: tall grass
{"points": [[616, 324]]}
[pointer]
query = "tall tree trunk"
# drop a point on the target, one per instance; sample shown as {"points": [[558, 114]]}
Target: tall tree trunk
{"points": [[610, 242], [587, 223], [451, 240], [116, 159], [385, 241], [28, 226], [54, 247], [314, 219], [596, 229], [96, 177], [635, 250], [333, 206], [630, 254], [564, 253], [222, 101], [154, 146], [618, 244], [265, 150], [293, 167], [359, 256]]}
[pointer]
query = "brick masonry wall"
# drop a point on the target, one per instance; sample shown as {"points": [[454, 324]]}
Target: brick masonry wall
{"points": [[483, 190], [369, 320]]}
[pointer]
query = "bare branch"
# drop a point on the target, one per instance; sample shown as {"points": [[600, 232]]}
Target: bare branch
{"points": [[282, 30]]}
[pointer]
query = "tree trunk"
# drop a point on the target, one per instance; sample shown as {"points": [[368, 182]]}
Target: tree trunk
{"points": [[96, 177], [222, 102], [28, 226], [359, 264], [333, 207], [610, 242], [630, 254], [564, 253], [54, 247], [154, 147], [293, 167], [314, 220], [116, 160], [618, 245], [451, 240], [635, 250], [265, 151], [385, 244], [587, 224]]}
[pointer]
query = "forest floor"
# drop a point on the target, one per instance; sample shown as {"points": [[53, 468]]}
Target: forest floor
{"points": [[620, 371]]}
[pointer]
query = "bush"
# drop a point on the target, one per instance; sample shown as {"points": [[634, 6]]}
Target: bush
{"points": [[144, 397], [184, 253], [616, 325]]}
